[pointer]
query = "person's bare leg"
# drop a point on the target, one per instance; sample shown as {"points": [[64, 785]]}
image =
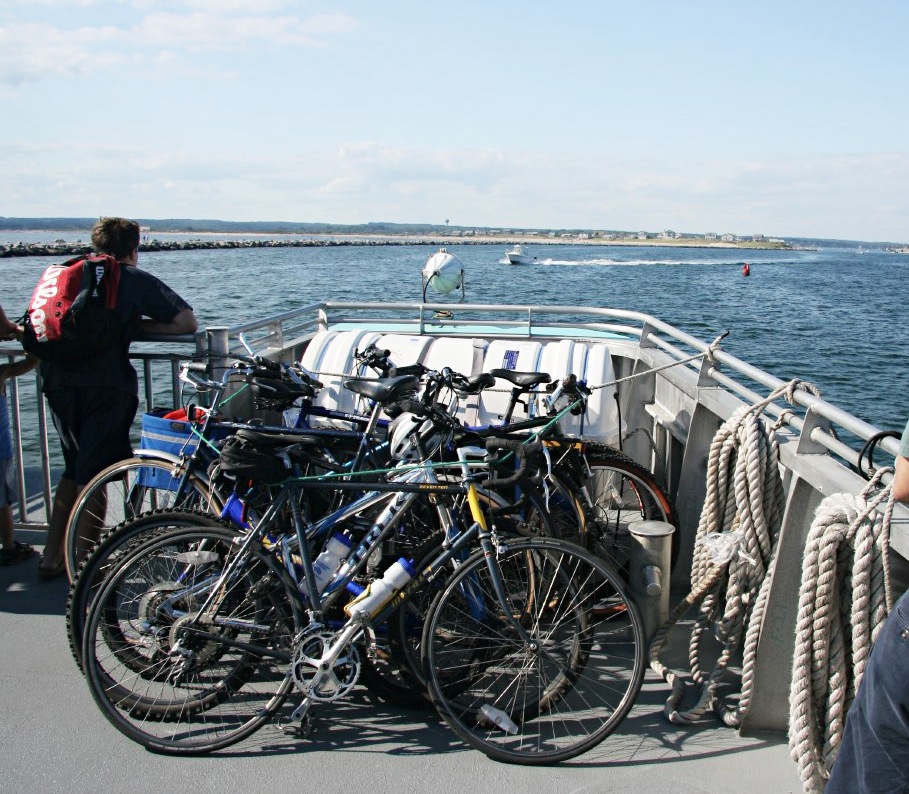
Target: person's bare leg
{"points": [[64, 499]]}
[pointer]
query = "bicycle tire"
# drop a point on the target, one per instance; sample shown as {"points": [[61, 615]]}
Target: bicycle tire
{"points": [[112, 546], [216, 691], [557, 696], [126, 496], [623, 492]]}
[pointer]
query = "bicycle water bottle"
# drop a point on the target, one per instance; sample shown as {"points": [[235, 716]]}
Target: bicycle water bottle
{"points": [[327, 563], [235, 510], [379, 592]]}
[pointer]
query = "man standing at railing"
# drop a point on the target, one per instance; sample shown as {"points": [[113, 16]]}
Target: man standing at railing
{"points": [[93, 402], [874, 754]]}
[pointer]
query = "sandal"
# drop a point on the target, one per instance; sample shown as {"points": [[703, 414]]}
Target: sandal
{"points": [[51, 573], [19, 552]]}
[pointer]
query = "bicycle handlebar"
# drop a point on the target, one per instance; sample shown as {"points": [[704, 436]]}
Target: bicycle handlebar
{"points": [[521, 450]]}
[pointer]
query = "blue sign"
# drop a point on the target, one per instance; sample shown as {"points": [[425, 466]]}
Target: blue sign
{"points": [[511, 360]]}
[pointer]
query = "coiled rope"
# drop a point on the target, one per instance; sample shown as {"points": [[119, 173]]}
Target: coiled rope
{"points": [[844, 597], [734, 549]]}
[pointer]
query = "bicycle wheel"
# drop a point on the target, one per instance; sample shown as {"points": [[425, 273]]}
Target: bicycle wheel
{"points": [[547, 673], [110, 549], [126, 489], [622, 492], [171, 679], [529, 518]]}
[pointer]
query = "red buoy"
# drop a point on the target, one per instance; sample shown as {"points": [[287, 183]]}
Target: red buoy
{"points": [[746, 270]]}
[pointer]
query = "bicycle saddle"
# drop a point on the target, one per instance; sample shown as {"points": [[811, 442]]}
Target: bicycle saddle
{"points": [[475, 383], [383, 390], [523, 379]]}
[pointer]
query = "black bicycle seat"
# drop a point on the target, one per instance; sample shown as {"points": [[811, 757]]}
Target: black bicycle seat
{"points": [[523, 379], [383, 390]]}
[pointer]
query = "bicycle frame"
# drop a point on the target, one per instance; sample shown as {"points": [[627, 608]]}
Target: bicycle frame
{"points": [[397, 494]]}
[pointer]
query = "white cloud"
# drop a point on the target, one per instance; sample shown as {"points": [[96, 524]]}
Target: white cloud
{"points": [[33, 51], [837, 197], [30, 52], [216, 31]]}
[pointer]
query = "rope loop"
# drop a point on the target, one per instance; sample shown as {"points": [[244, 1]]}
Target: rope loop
{"points": [[735, 545], [844, 597]]}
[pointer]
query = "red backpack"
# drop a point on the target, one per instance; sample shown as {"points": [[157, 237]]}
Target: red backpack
{"points": [[71, 316]]}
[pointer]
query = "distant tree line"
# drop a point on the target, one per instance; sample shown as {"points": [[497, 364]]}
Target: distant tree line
{"points": [[189, 226]]}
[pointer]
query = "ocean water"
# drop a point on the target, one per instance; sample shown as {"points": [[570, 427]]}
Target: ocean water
{"points": [[830, 316]]}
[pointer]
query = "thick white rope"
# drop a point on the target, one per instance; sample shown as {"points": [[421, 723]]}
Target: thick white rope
{"points": [[844, 597], [734, 549]]}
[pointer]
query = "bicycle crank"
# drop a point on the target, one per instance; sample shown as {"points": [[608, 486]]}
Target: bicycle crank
{"points": [[320, 672]]}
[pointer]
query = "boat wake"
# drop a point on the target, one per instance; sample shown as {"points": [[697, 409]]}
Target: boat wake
{"points": [[738, 261]]}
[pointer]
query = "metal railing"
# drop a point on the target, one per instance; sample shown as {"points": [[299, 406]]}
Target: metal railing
{"points": [[37, 459], [283, 337]]}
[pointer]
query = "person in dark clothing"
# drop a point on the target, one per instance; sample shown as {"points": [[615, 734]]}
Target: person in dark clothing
{"points": [[874, 754], [93, 402]]}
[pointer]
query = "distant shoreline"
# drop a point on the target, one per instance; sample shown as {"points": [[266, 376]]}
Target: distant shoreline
{"points": [[231, 240]]}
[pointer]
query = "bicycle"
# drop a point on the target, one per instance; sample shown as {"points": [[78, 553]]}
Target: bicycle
{"points": [[225, 632], [154, 479], [323, 450], [597, 488]]}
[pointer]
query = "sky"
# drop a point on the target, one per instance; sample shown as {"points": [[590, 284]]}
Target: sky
{"points": [[786, 119]]}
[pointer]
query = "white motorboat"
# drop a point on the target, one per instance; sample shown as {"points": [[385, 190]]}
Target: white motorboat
{"points": [[518, 256]]}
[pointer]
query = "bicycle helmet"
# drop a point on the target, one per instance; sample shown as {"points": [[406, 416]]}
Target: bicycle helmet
{"points": [[401, 436], [241, 459]]}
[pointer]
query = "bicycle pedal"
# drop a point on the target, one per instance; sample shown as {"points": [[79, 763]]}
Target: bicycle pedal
{"points": [[302, 730]]}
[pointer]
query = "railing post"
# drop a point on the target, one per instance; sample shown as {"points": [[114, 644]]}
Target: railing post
{"points": [[646, 331], [217, 342]]}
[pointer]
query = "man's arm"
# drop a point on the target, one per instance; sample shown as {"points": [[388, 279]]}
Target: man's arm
{"points": [[18, 367], [901, 479], [184, 322], [8, 329]]}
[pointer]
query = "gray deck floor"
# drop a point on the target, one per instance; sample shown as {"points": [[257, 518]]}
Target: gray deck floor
{"points": [[54, 738]]}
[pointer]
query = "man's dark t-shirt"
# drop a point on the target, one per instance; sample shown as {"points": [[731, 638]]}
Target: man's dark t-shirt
{"points": [[140, 295]]}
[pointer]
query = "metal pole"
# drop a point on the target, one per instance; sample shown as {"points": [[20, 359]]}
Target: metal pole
{"points": [[648, 578]]}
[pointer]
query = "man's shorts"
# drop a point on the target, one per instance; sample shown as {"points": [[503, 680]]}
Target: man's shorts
{"points": [[93, 425], [9, 491]]}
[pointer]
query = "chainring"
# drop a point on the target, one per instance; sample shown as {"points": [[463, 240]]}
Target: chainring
{"points": [[328, 685]]}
